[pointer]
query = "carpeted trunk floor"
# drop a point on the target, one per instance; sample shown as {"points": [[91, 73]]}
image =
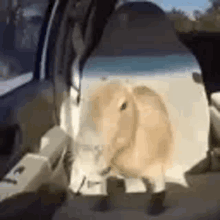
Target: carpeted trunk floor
{"points": [[200, 201]]}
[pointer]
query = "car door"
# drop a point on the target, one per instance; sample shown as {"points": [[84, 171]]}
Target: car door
{"points": [[30, 103]]}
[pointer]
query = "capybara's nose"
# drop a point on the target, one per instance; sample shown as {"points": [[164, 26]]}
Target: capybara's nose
{"points": [[105, 171]]}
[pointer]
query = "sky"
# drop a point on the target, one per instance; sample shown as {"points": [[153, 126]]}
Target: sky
{"points": [[186, 5]]}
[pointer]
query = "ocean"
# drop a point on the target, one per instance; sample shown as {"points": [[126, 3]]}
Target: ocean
{"points": [[139, 66]]}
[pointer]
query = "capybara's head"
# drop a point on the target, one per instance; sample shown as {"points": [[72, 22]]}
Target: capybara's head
{"points": [[113, 112]]}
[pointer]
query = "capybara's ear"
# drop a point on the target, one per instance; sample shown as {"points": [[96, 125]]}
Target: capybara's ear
{"points": [[143, 90]]}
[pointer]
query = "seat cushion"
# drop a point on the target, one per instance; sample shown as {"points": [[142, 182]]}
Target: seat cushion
{"points": [[215, 120], [215, 100]]}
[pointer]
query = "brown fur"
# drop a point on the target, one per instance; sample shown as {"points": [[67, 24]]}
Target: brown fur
{"points": [[138, 138]]}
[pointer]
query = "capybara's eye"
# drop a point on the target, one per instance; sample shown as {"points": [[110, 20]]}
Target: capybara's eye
{"points": [[123, 107]]}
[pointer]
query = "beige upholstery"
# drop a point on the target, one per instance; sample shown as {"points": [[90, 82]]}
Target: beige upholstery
{"points": [[215, 113], [37, 169], [215, 100]]}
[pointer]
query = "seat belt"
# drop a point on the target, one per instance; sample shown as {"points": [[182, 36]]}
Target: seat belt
{"points": [[90, 18]]}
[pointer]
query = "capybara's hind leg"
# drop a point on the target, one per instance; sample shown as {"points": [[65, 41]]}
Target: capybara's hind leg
{"points": [[155, 184]]}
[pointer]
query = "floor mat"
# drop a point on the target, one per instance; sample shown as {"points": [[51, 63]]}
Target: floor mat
{"points": [[200, 201]]}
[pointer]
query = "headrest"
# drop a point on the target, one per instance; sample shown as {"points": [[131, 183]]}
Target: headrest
{"points": [[138, 28]]}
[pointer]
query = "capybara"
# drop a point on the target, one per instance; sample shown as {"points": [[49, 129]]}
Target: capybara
{"points": [[137, 136]]}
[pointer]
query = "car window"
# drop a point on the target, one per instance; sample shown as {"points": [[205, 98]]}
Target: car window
{"points": [[20, 25]]}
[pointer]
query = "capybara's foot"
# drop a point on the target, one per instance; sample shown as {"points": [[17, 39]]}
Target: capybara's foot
{"points": [[102, 205], [156, 204]]}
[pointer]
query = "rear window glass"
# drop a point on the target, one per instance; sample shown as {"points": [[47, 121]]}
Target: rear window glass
{"points": [[20, 26]]}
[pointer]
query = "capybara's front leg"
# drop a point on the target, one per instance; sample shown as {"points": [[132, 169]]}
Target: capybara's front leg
{"points": [[114, 187], [103, 204], [155, 184], [156, 205]]}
